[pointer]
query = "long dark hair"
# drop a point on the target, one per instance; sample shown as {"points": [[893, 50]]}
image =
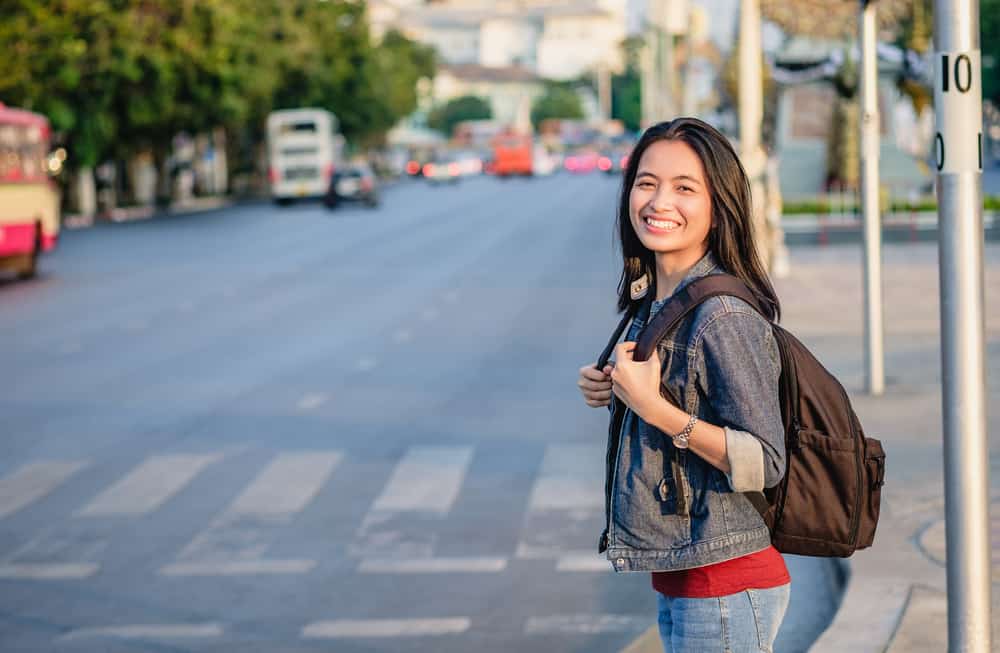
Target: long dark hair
{"points": [[731, 239]]}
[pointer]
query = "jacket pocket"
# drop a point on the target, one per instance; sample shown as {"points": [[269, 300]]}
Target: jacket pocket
{"points": [[675, 528]]}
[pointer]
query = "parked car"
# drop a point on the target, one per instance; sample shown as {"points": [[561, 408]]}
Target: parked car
{"points": [[443, 169], [354, 183]]}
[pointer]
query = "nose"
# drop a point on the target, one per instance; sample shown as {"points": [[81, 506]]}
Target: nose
{"points": [[660, 201]]}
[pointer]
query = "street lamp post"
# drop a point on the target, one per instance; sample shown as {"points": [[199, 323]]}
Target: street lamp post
{"points": [[874, 328], [958, 149]]}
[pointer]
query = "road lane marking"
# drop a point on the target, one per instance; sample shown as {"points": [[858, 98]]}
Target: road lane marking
{"points": [[236, 540], [583, 562], [149, 631], [427, 479], [363, 628], [238, 568], [585, 624], [48, 571], [34, 481], [566, 505], [312, 400], [287, 484], [148, 486], [570, 478], [432, 565]]}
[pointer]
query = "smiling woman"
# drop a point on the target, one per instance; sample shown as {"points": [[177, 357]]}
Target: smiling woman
{"points": [[697, 425]]}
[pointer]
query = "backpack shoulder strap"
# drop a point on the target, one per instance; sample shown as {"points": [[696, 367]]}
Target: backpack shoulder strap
{"points": [[689, 298]]}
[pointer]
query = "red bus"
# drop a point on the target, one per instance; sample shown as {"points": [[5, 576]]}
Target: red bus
{"points": [[512, 155], [29, 199]]}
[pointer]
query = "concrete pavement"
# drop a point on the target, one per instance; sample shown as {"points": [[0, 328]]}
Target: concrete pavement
{"points": [[895, 598]]}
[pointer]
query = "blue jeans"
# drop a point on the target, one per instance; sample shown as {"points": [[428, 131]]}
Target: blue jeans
{"points": [[745, 622]]}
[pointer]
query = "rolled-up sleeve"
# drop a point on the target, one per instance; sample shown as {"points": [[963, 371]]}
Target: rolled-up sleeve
{"points": [[738, 372]]}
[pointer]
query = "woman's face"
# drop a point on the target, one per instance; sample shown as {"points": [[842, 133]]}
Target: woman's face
{"points": [[669, 204]]}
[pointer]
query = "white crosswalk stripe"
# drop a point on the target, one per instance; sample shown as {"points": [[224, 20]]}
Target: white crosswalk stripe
{"points": [[586, 624], [363, 628], [566, 507], [287, 484], [428, 479], [431, 565], [148, 486], [34, 481], [571, 478], [235, 542], [149, 631]]}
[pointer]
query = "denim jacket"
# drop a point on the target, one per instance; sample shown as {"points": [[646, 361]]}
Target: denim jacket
{"points": [[667, 509]]}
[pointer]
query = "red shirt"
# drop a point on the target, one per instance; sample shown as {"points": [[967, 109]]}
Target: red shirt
{"points": [[761, 570]]}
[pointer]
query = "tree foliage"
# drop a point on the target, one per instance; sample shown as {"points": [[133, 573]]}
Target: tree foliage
{"points": [[559, 101], [626, 88], [467, 107], [115, 76], [989, 26]]}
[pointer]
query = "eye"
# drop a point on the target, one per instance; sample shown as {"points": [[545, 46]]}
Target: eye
{"points": [[686, 189], [644, 184]]}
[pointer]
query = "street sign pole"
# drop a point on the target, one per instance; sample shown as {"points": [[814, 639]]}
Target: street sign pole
{"points": [[874, 326], [958, 151]]}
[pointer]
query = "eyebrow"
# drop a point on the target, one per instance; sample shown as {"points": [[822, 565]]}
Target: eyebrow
{"points": [[646, 173]]}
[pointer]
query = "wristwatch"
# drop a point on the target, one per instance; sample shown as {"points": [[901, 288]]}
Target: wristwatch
{"points": [[681, 439]]}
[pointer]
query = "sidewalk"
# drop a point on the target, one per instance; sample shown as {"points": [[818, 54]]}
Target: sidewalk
{"points": [[895, 599]]}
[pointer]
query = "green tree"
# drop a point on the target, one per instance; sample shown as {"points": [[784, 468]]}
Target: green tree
{"points": [[626, 88], [65, 65], [467, 107], [559, 101], [989, 27]]}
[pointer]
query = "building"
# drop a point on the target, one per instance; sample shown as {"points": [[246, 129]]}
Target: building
{"points": [[505, 50]]}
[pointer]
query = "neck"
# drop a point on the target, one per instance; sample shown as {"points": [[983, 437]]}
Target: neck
{"points": [[671, 268]]}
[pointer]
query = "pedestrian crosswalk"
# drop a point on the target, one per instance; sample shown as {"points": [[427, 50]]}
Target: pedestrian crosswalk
{"points": [[409, 501], [399, 532]]}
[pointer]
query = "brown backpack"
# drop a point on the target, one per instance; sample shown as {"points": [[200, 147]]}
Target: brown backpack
{"points": [[827, 502]]}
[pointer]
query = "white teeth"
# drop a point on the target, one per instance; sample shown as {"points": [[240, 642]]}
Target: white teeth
{"points": [[662, 224]]}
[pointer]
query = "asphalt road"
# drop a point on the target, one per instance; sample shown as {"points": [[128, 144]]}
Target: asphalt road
{"points": [[265, 429]]}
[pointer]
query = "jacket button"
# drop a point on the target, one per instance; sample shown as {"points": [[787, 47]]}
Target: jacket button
{"points": [[620, 562]]}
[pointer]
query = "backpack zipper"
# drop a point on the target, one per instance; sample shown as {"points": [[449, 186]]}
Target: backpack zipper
{"points": [[859, 462]]}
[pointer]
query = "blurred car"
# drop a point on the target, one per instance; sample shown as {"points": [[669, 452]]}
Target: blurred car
{"points": [[583, 161], [354, 183], [469, 163], [613, 163], [442, 170]]}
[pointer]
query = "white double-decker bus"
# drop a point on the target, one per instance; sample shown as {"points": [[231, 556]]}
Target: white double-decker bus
{"points": [[304, 149]]}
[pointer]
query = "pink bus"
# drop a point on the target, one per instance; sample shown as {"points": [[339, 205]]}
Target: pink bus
{"points": [[29, 199]]}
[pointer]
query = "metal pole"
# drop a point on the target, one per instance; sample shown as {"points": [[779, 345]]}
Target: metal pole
{"points": [[648, 82], [751, 87], [958, 145], [874, 329]]}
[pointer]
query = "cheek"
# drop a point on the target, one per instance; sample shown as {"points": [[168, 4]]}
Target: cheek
{"points": [[635, 204]]}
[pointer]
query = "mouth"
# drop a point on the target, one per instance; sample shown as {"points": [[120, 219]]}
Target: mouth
{"points": [[661, 224]]}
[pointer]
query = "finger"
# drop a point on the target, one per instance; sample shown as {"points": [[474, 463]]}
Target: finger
{"points": [[599, 395], [586, 385], [608, 369], [593, 374], [598, 404], [623, 351]]}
